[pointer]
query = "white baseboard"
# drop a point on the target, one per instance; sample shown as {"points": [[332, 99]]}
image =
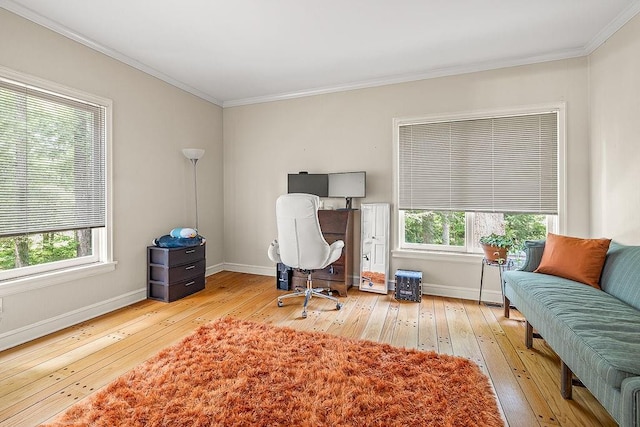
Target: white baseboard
{"points": [[427, 288], [250, 269], [460, 292], [213, 269], [36, 330]]}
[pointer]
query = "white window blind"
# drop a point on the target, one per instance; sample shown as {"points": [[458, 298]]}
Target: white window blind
{"points": [[499, 164], [52, 162]]}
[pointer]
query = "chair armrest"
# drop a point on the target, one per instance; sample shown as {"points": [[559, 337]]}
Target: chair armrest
{"points": [[630, 401], [274, 252], [533, 250], [335, 250]]}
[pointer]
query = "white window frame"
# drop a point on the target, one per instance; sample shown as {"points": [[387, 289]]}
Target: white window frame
{"points": [[557, 224], [101, 260]]}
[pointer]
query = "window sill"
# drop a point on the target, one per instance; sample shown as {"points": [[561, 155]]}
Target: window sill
{"points": [[468, 258], [50, 278]]}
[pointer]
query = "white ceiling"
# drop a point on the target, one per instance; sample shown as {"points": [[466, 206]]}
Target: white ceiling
{"points": [[235, 52]]}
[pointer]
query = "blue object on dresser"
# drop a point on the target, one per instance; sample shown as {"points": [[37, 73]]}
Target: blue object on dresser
{"points": [[168, 241]]}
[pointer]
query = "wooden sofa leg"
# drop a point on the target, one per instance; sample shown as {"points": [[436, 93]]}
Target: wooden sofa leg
{"points": [[506, 304], [566, 380], [528, 335]]}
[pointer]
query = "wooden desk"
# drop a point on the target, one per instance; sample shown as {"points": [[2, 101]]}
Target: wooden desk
{"points": [[335, 225]]}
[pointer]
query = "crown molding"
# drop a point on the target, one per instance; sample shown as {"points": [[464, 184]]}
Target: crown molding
{"points": [[613, 26], [441, 72], [62, 30]]}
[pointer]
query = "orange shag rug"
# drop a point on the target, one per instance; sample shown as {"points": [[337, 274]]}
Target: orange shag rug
{"points": [[239, 373]]}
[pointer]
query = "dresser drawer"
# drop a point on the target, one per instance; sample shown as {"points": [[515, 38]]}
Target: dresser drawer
{"points": [[175, 256], [169, 293], [159, 273]]}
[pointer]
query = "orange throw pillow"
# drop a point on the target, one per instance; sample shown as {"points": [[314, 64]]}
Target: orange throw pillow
{"points": [[573, 258]]}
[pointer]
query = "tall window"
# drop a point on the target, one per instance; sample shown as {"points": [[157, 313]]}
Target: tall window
{"points": [[459, 178], [52, 179]]}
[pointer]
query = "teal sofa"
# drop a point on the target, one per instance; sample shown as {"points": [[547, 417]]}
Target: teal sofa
{"points": [[596, 333]]}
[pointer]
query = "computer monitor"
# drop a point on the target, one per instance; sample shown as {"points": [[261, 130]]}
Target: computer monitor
{"points": [[310, 183], [348, 185]]}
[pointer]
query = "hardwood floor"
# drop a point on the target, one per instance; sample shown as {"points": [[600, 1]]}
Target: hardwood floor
{"points": [[41, 378]]}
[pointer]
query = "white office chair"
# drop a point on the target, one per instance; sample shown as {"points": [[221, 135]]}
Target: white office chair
{"points": [[301, 245]]}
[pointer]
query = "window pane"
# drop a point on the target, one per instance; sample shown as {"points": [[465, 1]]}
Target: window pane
{"points": [[523, 227], [42, 248], [485, 223], [434, 227], [519, 227]]}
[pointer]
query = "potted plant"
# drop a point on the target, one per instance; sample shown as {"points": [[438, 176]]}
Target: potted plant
{"points": [[496, 246]]}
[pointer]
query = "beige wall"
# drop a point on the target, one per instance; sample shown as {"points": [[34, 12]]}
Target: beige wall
{"points": [[614, 85], [152, 181], [350, 131]]}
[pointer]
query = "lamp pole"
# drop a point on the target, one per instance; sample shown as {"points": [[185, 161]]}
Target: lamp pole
{"points": [[194, 154], [195, 188]]}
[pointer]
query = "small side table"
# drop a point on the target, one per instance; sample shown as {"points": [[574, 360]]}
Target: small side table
{"points": [[502, 266]]}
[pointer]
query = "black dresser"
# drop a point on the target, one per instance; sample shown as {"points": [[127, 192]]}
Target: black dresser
{"points": [[174, 273]]}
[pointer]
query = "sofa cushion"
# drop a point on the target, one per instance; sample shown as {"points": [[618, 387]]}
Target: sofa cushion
{"points": [[574, 258], [602, 330], [621, 274]]}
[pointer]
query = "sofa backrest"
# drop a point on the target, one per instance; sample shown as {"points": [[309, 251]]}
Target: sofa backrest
{"points": [[621, 273]]}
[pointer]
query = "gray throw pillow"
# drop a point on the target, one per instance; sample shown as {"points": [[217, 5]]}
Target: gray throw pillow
{"points": [[533, 250]]}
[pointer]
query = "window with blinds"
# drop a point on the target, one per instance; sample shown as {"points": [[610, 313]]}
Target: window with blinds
{"points": [[52, 174], [458, 179], [501, 164]]}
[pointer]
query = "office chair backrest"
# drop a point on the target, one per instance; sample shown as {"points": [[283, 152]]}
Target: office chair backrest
{"points": [[300, 239]]}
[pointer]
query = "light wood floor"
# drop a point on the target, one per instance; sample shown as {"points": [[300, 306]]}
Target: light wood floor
{"points": [[44, 377]]}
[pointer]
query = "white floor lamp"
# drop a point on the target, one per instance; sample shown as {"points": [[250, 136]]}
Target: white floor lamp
{"points": [[194, 154]]}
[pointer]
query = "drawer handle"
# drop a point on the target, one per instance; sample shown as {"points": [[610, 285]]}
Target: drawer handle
{"points": [[190, 251], [190, 267], [190, 283]]}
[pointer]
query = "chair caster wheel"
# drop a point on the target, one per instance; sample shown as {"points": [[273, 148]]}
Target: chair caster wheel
{"points": [[280, 304], [304, 314], [338, 306]]}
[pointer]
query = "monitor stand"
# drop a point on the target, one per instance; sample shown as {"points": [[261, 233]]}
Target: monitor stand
{"points": [[348, 203]]}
